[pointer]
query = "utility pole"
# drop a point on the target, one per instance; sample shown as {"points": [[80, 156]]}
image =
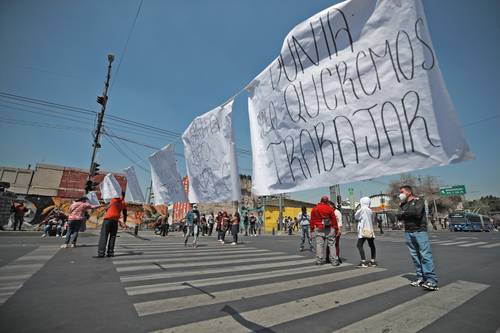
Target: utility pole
{"points": [[103, 100]]}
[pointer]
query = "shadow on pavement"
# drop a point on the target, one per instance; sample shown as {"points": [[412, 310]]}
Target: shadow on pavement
{"points": [[253, 327]]}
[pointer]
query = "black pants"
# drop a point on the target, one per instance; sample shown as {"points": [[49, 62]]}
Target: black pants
{"points": [[18, 220], [164, 230], [371, 243], [109, 230], [234, 231], [210, 229]]}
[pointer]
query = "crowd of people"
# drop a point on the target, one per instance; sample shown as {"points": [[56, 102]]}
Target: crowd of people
{"points": [[320, 230]]}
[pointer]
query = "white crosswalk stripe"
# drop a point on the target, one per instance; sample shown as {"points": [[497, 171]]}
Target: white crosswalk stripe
{"points": [[16, 273], [490, 246], [220, 276], [158, 266], [431, 307], [179, 303], [473, 244]]}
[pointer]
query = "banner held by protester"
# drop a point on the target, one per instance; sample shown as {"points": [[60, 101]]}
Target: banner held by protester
{"points": [[355, 93], [210, 156], [110, 188], [167, 184]]}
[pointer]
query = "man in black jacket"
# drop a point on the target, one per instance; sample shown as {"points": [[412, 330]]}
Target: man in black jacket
{"points": [[415, 223]]}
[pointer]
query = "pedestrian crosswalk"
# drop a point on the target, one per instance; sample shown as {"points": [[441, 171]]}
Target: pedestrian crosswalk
{"points": [[455, 241], [16, 273], [236, 280]]}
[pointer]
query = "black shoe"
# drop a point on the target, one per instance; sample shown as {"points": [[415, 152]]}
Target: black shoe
{"points": [[372, 263], [362, 264], [110, 255], [417, 282], [98, 256], [301, 249]]}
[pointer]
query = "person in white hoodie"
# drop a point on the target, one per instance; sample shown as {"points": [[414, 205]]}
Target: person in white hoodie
{"points": [[365, 217]]}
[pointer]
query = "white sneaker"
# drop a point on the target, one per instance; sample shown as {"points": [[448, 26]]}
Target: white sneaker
{"points": [[44, 235], [233, 243], [72, 245], [64, 246], [58, 236]]}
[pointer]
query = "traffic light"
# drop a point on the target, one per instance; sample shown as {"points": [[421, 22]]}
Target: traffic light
{"points": [[94, 169], [102, 100]]}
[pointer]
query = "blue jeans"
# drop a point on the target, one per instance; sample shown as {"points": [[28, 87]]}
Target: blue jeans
{"points": [[421, 254], [73, 230], [305, 233]]}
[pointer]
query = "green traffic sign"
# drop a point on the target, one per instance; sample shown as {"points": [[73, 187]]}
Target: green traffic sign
{"points": [[452, 190], [350, 190]]}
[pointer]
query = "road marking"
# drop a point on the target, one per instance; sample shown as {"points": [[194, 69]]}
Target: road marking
{"points": [[414, 315], [277, 314], [169, 286], [473, 244], [189, 251], [489, 246], [186, 302], [16, 273], [229, 255], [157, 276], [165, 256], [201, 264], [454, 243]]}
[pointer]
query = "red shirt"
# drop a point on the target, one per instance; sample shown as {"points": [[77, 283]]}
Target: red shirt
{"points": [[115, 209], [320, 212]]}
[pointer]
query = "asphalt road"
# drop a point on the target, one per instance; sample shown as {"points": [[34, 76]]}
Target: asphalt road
{"points": [[263, 285]]}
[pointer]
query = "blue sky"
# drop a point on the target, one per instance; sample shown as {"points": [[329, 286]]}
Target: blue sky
{"points": [[186, 57]]}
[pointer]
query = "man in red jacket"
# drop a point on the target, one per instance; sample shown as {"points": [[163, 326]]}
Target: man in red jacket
{"points": [[324, 224]]}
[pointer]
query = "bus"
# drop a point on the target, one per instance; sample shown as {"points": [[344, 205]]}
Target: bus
{"points": [[464, 221]]}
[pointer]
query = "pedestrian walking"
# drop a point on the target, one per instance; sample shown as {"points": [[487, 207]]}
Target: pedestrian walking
{"points": [[245, 223], [325, 227], [253, 223], [192, 223], [415, 223], [225, 222], [379, 224], [76, 217], [338, 216], [304, 222], [260, 222], [19, 210], [211, 222], [204, 225], [235, 225], [109, 228], [365, 218], [164, 225]]}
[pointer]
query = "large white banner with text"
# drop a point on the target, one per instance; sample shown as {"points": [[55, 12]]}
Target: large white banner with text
{"points": [[355, 93], [210, 157]]}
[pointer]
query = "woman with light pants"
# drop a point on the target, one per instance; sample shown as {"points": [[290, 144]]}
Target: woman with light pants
{"points": [[304, 221]]}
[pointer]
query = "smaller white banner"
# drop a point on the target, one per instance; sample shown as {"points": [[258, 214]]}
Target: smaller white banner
{"points": [[92, 196], [133, 184], [110, 188], [210, 157], [167, 184]]}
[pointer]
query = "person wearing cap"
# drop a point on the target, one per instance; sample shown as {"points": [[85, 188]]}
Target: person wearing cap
{"points": [[324, 225]]}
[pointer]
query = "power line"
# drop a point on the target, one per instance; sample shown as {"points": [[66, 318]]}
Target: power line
{"points": [[21, 122], [119, 150], [40, 112], [126, 44], [47, 103]]}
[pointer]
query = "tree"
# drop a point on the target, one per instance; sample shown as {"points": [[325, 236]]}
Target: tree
{"points": [[427, 187]]}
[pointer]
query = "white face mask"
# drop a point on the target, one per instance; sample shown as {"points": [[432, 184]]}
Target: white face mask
{"points": [[402, 197]]}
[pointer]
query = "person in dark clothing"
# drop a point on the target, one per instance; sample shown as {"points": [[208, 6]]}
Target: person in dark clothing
{"points": [[109, 227], [415, 223], [19, 211], [379, 224], [164, 225], [235, 225], [245, 223]]}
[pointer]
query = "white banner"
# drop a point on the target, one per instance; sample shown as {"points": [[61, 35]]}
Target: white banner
{"points": [[167, 184], [110, 188], [133, 184], [210, 157], [355, 93]]}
